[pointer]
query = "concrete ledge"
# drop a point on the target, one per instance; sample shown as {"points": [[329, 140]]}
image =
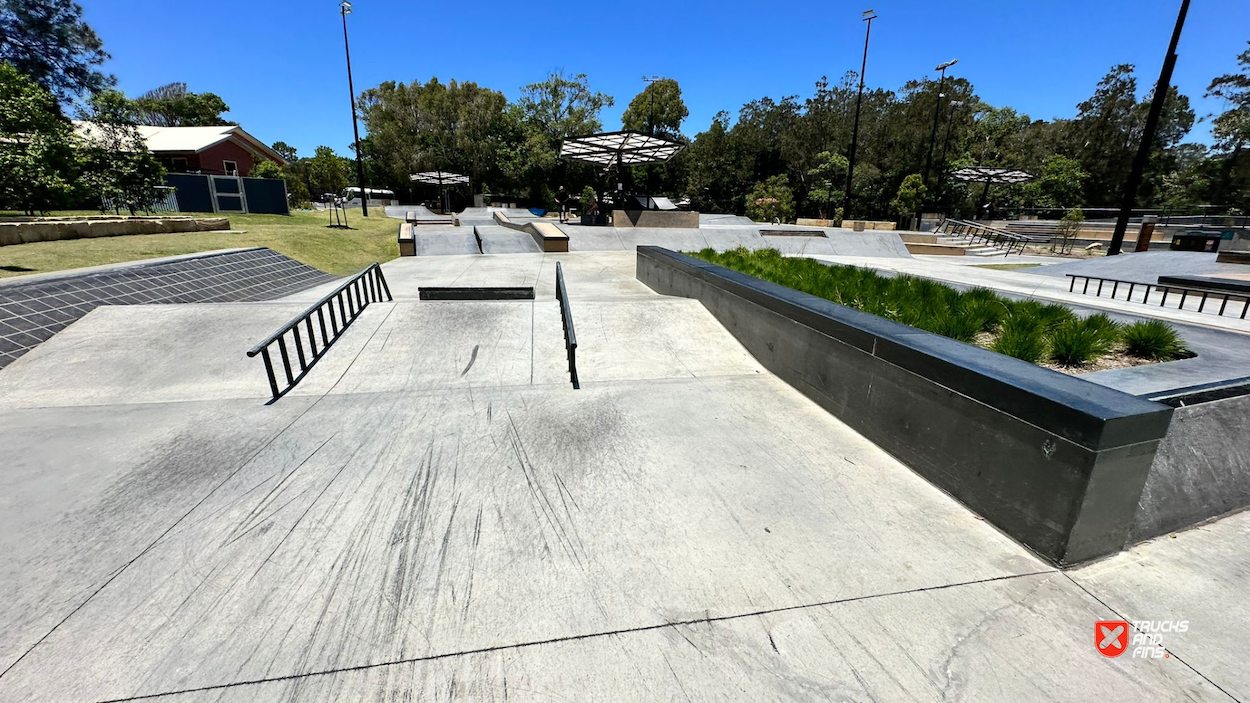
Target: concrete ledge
{"points": [[407, 240], [684, 219], [546, 235], [26, 232], [1054, 461], [1202, 469], [934, 249]]}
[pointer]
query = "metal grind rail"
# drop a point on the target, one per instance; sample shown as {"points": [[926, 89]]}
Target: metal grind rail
{"points": [[977, 233], [351, 298], [566, 316], [1203, 295]]}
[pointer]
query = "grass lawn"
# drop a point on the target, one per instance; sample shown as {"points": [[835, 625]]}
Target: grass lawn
{"points": [[302, 236], [1006, 267]]}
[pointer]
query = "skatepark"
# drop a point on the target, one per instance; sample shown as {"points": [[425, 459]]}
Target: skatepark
{"points": [[434, 510]]}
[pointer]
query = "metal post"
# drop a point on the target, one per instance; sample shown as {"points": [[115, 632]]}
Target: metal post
{"points": [[346, 7], [955, 104], [1162, 88], [869, 16], [937, 114]]}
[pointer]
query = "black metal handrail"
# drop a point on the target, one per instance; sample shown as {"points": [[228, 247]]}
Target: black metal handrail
{"points": [[566, 316], [352, 297], [1167, 289], [977, 233]]}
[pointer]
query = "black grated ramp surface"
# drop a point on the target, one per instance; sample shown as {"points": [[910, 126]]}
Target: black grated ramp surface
{"points": [[32, 312]]}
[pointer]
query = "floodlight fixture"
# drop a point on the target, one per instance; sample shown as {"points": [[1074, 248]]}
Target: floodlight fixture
{"points": [[869, 15], [948, 64], [346, 7]]}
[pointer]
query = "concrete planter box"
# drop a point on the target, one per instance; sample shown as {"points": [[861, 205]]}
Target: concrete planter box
{"points": [[1054, 461]]}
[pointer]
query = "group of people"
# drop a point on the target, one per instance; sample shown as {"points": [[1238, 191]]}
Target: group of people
{"points": [[564, 200]]}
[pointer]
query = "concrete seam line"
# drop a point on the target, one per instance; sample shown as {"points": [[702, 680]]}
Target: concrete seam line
{"points": [[1118, 614], [575, 638]]}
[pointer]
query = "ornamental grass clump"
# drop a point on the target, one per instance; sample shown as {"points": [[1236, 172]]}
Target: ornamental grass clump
{"points": [[1028, 330], [1153, 340]]}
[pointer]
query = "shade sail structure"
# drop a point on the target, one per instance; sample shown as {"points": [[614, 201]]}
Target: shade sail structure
{"points": [[623, 148], [441, 178], [986, 174]]}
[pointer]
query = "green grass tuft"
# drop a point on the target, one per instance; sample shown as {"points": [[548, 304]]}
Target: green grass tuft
{"points": [[1154, 340]]}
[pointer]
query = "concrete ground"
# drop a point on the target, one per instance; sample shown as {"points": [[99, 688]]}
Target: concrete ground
{"points": [[435, 512]]}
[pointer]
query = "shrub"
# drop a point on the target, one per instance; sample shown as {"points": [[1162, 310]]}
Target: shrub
{"points": [[1153, 340], [1021, 341], [1078, 342]]}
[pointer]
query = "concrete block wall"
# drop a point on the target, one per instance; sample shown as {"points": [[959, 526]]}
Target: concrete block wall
{"points": [[1054, 461], [54, 230]]}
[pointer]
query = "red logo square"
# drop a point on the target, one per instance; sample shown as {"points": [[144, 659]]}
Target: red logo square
{"points": [[1111, 637]]}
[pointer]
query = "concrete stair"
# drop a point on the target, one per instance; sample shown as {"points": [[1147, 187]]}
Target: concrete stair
{"points": [[934, 244]]}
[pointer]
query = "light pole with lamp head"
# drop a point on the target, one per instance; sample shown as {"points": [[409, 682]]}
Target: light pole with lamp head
{"points": [[937, 113], [869, 16], [651, 104], [346, 8], [955, 105]]}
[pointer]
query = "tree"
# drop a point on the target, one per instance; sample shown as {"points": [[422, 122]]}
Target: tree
{"points": [[549, 111], [1069, 229], [1060, 185], [771, 199], [286, 151], [36, 152], [117, 166], [911, 195], [173, 106], [328, 172], [828, 181], [719, 172], [422, 127], [1231, 130], [47, 41], [265, 169], [657, 110]]}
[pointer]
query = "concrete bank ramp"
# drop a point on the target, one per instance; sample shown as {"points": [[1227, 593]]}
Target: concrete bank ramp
{"points": [[497, 239], [168, 353], [1142, 267], [443, 240], [721, 238]]}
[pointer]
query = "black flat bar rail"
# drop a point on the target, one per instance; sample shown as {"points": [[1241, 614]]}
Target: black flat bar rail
{"points": [[1203, 294], [566, 316], [351, 298]]}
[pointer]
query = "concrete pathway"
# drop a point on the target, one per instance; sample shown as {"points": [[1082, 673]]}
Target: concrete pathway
{"points": [[435, 513]]}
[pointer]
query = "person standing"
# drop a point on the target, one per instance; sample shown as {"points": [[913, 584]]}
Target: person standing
{"points": [[562, 200]]}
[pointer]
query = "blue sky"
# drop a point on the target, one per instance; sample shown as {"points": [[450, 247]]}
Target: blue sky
{"points": [[279, 63]]}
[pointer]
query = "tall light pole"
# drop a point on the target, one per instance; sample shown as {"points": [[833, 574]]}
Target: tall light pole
{"points": [[651, 104], [869, 16], [955, 105], [1162, 88], [346, 8], [937, 113]]}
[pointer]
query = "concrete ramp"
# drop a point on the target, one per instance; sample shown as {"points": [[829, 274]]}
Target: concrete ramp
{"points": [[496, 239], [443, 240], [730, 236]]}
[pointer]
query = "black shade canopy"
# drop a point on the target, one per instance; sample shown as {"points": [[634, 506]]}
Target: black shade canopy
{"points": [[625, 147], [986, 174], [438, 177]]}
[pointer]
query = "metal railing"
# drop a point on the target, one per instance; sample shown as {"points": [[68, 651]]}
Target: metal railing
{"points": [[351, 298], [566, 316], [977, 233], [1166, 289]]}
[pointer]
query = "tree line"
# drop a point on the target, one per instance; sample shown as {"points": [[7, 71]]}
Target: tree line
{"points": [[787, 157]]}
